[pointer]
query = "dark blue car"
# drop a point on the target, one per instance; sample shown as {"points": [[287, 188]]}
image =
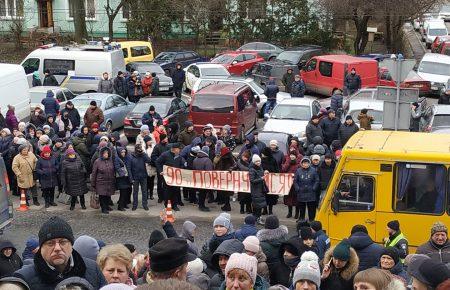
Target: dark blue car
{"points": [[168, 59]]}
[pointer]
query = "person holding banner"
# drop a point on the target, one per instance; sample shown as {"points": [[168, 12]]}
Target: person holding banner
{"points": [[306, 183], [244, 198], [202, 162], [258, 187]]}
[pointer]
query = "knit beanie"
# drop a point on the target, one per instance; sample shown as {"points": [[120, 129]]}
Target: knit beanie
{"points": [[75, 281], [391, 252], [46, 149], [439, 227], [306, 233], [70, 151], [272, 222], [256, 158], [155, 237], [222, 221], [251, 244], [250, 220], [394, 225], [244, 262], [316, 226], [307, 269], [195, 267], [359, 229], [87, 247], [342, 251], [144, 128], [55, 227]]}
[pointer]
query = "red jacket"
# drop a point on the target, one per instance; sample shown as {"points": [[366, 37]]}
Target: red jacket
{"points": [[147, 85]]}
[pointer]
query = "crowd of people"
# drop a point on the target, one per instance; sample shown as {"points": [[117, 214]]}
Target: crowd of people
{"points": [[246, 258]]}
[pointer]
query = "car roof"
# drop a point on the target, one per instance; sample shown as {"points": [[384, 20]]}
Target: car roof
{"points": [[358, 104], [155, 100], [133, 42], [344, 58], [222, 89], [143, 62], [207, 64], [177, 51], [44, 89], [442, 109], [304, 47], [226, 78], [306, 101], [94, 96], [436, 57]]}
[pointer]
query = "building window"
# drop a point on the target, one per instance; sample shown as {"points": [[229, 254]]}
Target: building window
{"points": [[11, 8], [89, 6], [126, 10]]}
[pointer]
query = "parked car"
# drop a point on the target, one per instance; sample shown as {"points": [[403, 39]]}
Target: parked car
{"points": [[171, 110], [374, 109], [291, 116], [440, 122], [324, 74], [282, 139], [168, 59], [413, 80], [237, 62], [437, 41], [257, 90], [434, 29], [362, 94], [137, 51], [267, 50], [376, 56], [114, 107], [435, 68], [165, 82], [201, 70], [444, 48], [293, 58], [225, 104], [37, 94]]}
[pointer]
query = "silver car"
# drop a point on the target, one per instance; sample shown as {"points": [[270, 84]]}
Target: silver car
{"points": [[374, 109], [114, 108], [440, 122], [37, 94]]}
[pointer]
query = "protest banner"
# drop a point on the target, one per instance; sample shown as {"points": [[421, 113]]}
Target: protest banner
{"points": [[235, 181]]}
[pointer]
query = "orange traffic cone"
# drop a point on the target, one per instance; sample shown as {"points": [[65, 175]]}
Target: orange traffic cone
{"points": [[23, 201], [169, 212]]}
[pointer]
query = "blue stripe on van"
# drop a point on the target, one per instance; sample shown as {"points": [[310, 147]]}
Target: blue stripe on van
{"points": [[82, 78]]}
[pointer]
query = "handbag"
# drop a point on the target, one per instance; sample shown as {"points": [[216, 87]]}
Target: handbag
{"points": [[35, 176], [94, 201]]}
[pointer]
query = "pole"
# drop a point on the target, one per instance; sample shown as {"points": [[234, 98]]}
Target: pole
{"points": [[397, 101]]}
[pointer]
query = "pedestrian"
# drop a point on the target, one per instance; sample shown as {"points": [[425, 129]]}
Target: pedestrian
{"points": [[330, 127], [220, 260], [49, 79], [155, 85], [322, 241], [377, 279], [396, 239], [337, 103], [159, 149], [103, 178], [390, 261], [340, 265], [306, 184], [187, 232], [290, 165], [347, 130], [313, 129], [73, 115], [105, 85], [11, 120], [115, 262], [31, 248], [147, 81], [352, 82], [307, 274], [415, 117], [150, 118], [150, 167], [288, 80], [208, 131], [258, 187], [187, 135], [269, 164], [438, 246], [51, 105], [178, 78], [428, 274], [225, 163], [93, 115], [271, 92], [298, 88], [73, 178], [9, 260], [36, 79], [271, 238], [227, 138], [79, 142], [51, 262], [87, 247], [124, 181], [368, 251], [139, 159], [172, 132], [241, 273], [252, 248], [247, 229], [134, 88], [424, 113], [365, 120], [47, 171], [23, 165], [120, 85], [202, 162], [159, 130], [277, 154], [258, 143], [245, 200], [64, 125], [250, 145]]}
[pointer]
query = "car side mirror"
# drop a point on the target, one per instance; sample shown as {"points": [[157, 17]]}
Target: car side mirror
{"points": [[234, 62], [335, 202]]}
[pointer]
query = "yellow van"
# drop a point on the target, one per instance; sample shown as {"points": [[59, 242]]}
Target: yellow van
{"points": [[384, 176], [137, 51]]}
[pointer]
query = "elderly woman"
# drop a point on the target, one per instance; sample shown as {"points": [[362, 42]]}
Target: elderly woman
{"points": [[73, 178], [376, 279], [115, 262], [23, 166], [240, 273], [103, 178]]}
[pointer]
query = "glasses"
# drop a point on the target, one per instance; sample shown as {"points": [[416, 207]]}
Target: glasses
{"points": [[52, 243]]}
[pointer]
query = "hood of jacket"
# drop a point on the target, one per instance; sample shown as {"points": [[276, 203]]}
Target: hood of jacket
{"points": [[226, 248], [350, 269], [87, 247], [102, 150], [295, 246], [279, 234], [7, 244], [359, 241]]}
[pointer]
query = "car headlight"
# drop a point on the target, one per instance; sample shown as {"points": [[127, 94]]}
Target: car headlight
{"points": [[171, 83]]}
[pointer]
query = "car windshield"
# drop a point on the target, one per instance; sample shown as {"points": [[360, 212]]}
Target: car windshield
{"points": [[377, 116], [436, 68], [437, 32], [224, 58], [36, 97], [160, 108], [289, 56], [441, 121], [149, 67], [256, 87], [291, 112], [214, 71], [213, 104], [165, 56], [83, 104]]}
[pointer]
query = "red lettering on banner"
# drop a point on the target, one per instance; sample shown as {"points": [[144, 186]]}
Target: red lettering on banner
{"points": [[228, 179], [178, 177], [236, 181], [282, 182], [169, 174], [245, 177], [222, 184], [207, 179], [197, 178], [215, 180]]}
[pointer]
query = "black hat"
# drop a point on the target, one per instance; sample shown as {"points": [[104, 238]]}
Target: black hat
{"points": [[119, 73], [302, 223], [328, 156], [391, 252], [394, 225], [162, 136], [316, 226], [306, 233], [348, 117], [315, 117], [429, 272], [147, 138], [272, 222], [53, 228], [250, 220], [155, 237], [152, 108], [93, 103], [175, 145], [169, 254], [359, 229]]}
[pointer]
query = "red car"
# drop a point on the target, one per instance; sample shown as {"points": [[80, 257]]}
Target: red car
{"points": [[444, 48], [437, 41], [411, 81], [236, 62]]}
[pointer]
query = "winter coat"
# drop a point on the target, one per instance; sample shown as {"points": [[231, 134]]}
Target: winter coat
{"points": [[347, 131], [27, 253], [134, 88], [352, 82], [262, 268], [148, 119], [288, 167], [51, 105], [365, 121], [270, 241], [80, 146], [322, 242], [11, 120], [38, 120], [93, 116], [47, 172], [155, 86], [73, 176], [306, 184], [260, 284], [50, 80], [149, 167], [336, 104], [278, 155], [5, 143], [246, 231], [103, 174], [257, 186], [312, 130], [225, 249], [158, 151], [42, 277], [271, 90], [36, 82], [368, 251], [120, 86], [330, 128], [225, 162], [325, 173], [125, 181], [168, 158], [178, 79], [288, 80], [146, 85], [202, 162], [8, 265], [343, 279], [186, 137], [105, 86], [298, 89], [138, 165], [23, 167], [440, 254], [74, 117]]}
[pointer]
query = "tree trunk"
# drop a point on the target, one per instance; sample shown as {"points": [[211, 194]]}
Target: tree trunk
{"points": [[111, 26], [79, 20], [388, 35], [361, 34]]}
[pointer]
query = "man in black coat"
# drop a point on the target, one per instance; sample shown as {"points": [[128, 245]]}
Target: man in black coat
{"points": [[74, 115], [352, 82], [368, 251], [330, 127], [56, 259], [347, 130], [159, 149], [120, 85], [178, 79], [49, 79], [9, 260]]}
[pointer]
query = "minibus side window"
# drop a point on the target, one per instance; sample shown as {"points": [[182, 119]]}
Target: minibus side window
{"points": [[420, 188], [356, 193]]}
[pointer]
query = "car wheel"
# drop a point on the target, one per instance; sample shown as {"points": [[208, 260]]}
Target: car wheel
{"points": [[109, 126]]}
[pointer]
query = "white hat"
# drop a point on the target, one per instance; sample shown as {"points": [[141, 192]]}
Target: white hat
{"points": [[307, 269], [136, 72], [273, 142], [251, 244], [195, 267], [256, 158], [315, 157]]}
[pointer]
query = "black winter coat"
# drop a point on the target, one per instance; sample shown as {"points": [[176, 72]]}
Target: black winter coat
{"points": [[47, 172], [50, 80], [169, 159], [38, 120], [178, 78], [368, 251], [120, 86], [103, 174], [313, 130], [9, 265], [226, 162], [325, 173], [73, 176], [51, 106], [336, 103], [138, 168], [74, 117], [159, 149], [306, 184], [257, 186], [347, 131], [202, 162], [330, 128], [124, 182]]}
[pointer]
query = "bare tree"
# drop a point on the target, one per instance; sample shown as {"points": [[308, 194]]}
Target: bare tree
{"points": [[79, 20], [112, 13]]}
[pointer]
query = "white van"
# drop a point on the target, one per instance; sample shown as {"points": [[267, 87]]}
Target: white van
{"points": [[433, 29], [78, 68], [14, 90], [435, 68]]}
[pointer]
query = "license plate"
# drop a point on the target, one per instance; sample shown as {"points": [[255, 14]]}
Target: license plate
{"points": [[139, 122], [434, 88], [164, 89]]}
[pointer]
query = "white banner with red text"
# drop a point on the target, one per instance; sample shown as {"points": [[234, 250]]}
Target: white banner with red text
{"points": [[235, 181]]}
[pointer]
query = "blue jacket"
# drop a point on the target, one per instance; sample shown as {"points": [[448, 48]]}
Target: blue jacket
{"points": [[306, 183], [138, 169], [46, 170], [246, 231], [271, 90], [178, 78], [51, 106], [336, 102], [368, 251], [147, 119], [323, 243], [330, 129]]}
